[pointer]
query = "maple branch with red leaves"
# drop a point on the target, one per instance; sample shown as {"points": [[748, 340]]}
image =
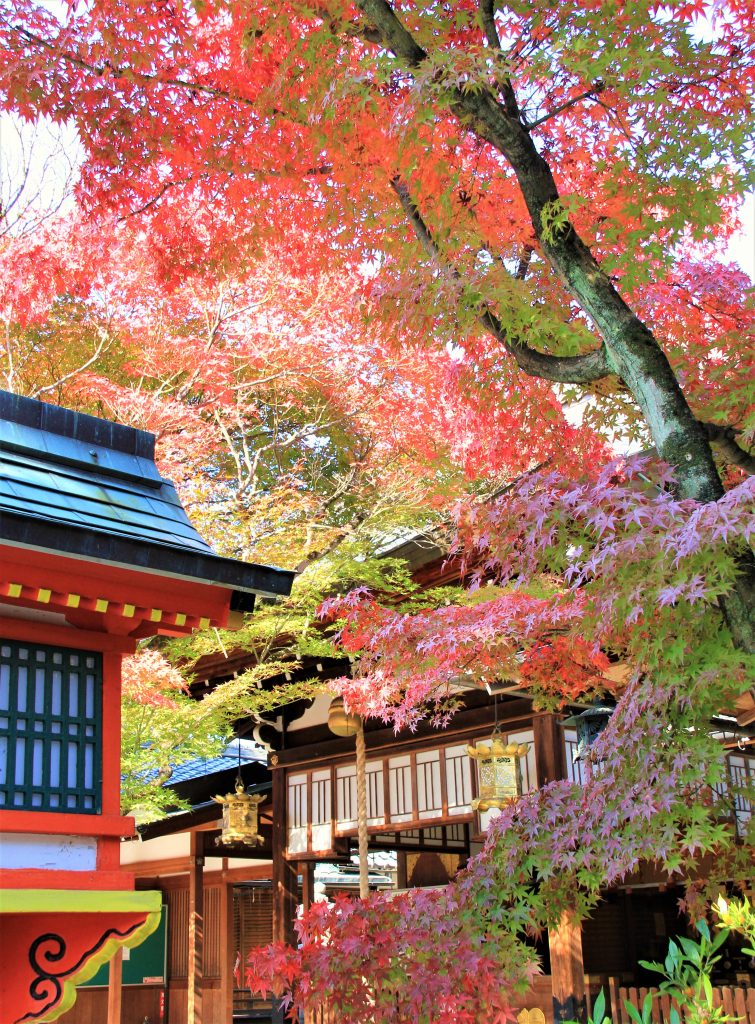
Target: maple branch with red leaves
{"points": [[129, 74], [588, 94], [582, 369]]}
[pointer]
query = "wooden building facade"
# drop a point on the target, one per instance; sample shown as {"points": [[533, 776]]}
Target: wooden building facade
{"points": [[420, 792]]}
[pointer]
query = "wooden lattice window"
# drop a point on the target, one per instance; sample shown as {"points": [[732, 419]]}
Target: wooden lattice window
{"points": [[50, 728], [252, 927]]}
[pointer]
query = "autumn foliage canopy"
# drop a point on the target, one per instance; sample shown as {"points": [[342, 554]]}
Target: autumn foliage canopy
{"points": [[368, 266]]}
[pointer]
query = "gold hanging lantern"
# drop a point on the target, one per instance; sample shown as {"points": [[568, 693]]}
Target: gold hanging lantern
{"points": [[240, 817], [499, 772], [340, 722]]}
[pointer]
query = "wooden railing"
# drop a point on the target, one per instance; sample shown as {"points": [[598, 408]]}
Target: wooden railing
{"points": [[736, 1002]]}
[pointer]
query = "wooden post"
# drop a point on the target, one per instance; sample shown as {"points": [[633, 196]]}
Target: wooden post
{"points": [[227, 952], [362, 838], [285, 878], [196, 930], [565, 942], [550, 752], [615, 1006], [401, 879], [114, 988], [567, 969]]}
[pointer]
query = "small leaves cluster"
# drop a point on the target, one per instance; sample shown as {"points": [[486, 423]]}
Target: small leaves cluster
{"points": [[585, 573], [162, 727], [423, 956]]}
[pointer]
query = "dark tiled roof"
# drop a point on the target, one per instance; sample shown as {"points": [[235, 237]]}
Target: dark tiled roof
{"points": [[87, 487], [200, 814], [229, 759]]}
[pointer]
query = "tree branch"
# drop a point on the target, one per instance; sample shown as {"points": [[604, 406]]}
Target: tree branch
{"points": [[102, 346], [630, 347], [157, 197], [724, 438], [524, 263], [583, 369], [589, 94], [392, 33], [140, 77], [487, 17]]}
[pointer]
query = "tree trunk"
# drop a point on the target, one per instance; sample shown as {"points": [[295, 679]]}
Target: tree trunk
{"points": [[633, 351]]}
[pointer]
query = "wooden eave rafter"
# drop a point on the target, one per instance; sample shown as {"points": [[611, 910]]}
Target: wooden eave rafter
{"points": [[102, 597]]}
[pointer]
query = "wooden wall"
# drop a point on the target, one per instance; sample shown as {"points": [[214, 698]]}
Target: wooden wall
{"points": [[251, 926], [177, 898], [212, 1007], [139, 1005]]}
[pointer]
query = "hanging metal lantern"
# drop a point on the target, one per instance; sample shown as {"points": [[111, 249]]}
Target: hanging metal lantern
{"points": [[240, 817], [589, 725], [499, 772], [340, 722]]}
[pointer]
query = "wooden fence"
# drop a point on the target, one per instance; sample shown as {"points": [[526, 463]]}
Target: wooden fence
{"points": [[322, 1015], [736, 1001]]}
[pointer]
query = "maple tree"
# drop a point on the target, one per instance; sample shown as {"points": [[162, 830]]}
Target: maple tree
{"points": [[532, 199], [162, 727], [288, 440], [621, 164]]}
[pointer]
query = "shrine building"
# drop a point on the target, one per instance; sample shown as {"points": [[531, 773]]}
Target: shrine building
{"points": [[96, 553]]}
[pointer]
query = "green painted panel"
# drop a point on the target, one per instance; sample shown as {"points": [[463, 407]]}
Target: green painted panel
{"points": [[143, 965]]}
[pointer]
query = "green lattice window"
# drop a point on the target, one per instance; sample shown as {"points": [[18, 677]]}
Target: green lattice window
{"points": [[50, 728]]}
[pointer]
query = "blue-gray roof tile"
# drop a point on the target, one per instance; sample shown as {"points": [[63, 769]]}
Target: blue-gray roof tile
{"points": [[79, 485]]}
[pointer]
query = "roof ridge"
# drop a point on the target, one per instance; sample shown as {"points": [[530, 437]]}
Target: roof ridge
{"points": [[54, 419]]}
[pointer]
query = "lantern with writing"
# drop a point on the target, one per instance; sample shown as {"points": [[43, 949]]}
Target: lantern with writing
{"points": [[240, 817], [499, 772]]}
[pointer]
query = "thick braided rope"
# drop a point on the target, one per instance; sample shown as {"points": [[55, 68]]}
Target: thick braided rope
{"points": [[364, 885]]}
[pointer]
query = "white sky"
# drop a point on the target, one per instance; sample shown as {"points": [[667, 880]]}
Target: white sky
{"points": [[742, 247]]}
